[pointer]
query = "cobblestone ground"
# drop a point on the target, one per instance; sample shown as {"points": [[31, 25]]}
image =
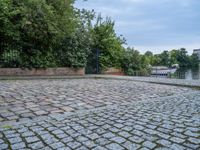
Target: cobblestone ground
{"points": [[161, 80], [98, 114]]}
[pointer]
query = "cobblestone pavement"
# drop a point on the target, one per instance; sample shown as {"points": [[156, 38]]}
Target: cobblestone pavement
{"points": [[21, 100], [161, 80], [100, 114]]}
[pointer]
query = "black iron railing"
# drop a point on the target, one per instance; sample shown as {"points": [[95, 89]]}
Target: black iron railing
{"points": [[9, 58]]}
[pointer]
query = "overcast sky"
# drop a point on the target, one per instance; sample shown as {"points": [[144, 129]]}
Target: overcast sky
{"points": [[154, 25]]}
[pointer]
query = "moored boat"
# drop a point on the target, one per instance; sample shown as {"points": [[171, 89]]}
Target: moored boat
{"points": [[162, 70]]}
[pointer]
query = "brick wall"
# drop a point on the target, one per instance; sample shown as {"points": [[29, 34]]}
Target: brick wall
{"points": [[113, 71], [42, 72]]}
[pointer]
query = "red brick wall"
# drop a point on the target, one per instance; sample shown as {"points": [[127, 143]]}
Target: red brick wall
{"points": [[42, 72], [113, 71]]}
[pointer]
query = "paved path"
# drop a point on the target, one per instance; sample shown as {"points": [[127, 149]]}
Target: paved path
{"points": [[98, 114], [169, 81]]}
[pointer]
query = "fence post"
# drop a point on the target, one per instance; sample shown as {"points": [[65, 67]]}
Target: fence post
{"points": [[97, 60]]}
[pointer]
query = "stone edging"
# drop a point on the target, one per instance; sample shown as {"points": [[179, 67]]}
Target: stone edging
{"points": [[173, 82], [65, 71]]}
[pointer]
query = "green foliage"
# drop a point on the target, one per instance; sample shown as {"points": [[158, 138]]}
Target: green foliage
{"points": [[7, 127], [133, 61], [73, 49], [108, 43], [40, 30], [168, 58], [173, 57], [148, 54], [76, 52], [44, 23], [11, 58], [165, 58], [182, 58], [8, 29], [49, 33], [194, 60]]}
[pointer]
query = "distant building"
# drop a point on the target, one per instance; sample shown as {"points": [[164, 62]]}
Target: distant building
{"points": [[197, 51]]}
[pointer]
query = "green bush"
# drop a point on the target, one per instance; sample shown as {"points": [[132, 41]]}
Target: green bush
{"points": [[43, 33], [11, 58], [108, 43], [134, 64]]}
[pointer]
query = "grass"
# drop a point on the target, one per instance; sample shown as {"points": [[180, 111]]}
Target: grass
{"points": [[7, 127]]}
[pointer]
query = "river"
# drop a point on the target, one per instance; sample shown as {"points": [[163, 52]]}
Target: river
{"points": [[188, 73]]}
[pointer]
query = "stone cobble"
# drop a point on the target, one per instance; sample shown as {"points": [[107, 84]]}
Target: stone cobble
{"points": [[24, 100], [160, 117]]}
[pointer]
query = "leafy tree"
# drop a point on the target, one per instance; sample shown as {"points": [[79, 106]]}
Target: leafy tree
{"points": [[44, 33], [148, 54], [149, 57], [173, 57], [44, 24], [194, 60], [183, 58], [156, 61], [133, 61], [9, 33], [165, 58], [180, 56], [109, 44], [74, 49]]}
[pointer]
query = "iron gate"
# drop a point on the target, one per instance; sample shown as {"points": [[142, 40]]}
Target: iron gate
{"points": [[93, 66]]}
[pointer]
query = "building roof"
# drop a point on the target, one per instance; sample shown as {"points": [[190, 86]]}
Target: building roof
{"points": [[196, 49]]}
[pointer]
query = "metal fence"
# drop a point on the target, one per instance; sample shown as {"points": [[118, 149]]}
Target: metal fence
{"points": [[141, 73], [189, 76], [176, 75], [93, 66], [10, 58]]}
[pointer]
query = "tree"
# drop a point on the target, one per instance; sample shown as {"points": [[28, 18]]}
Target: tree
{"points": [[194, 60], [156, 61], [74, 49], [9, 33], [133, 61], [44, 33], [180, 56], [149, 57], [34, 27], [148, 54], [173, 57], [44, 25], [183, 58], [109, 44], [165, 58]]}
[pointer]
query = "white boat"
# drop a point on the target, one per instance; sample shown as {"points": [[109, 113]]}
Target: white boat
{"points": [[161, 70]]}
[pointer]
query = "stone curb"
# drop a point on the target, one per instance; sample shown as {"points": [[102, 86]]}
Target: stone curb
{"points": [[173, 82]]}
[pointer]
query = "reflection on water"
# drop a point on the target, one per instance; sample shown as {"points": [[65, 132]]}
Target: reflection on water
{"points": [[189, 74]]}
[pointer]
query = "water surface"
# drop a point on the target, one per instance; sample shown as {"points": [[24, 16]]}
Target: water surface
{"points": [[188, 73]]}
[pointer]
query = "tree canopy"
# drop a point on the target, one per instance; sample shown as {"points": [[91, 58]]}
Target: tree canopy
{"points": [[38, 29], [179, 56], [109, 44]]}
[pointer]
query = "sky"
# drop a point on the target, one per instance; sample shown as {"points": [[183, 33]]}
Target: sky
{"points": [[154, 25]]}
